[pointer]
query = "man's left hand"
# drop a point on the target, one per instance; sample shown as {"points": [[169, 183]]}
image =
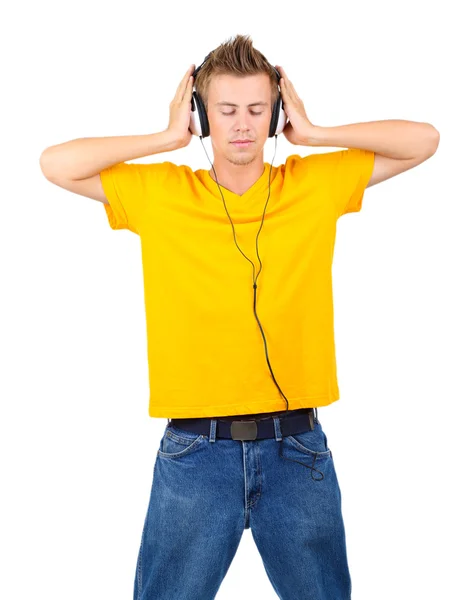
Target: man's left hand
{"points": [[299, 128]]}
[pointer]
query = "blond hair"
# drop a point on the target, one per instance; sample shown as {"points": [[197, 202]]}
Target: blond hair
{"points": [[235, 56]]}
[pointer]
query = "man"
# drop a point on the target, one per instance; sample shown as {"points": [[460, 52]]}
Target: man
{"points": [[234, 455]]}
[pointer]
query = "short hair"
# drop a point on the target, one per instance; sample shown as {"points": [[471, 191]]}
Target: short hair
{"points": [[236, 56]]}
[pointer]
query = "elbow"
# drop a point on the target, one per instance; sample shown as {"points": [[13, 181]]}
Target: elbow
{"points": [[434, 140], [45, 164]]}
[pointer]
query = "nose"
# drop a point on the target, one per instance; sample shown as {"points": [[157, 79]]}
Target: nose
{"points": [[241, 123]]}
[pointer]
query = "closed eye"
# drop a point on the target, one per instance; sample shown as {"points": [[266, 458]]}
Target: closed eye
{"points": [[251, 112]]}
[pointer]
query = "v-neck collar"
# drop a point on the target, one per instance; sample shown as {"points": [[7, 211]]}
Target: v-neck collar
{"points": [[237, 199]]}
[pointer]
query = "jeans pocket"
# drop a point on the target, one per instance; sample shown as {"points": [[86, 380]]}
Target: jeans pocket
{"points": [[176, 442], [313, 442]]}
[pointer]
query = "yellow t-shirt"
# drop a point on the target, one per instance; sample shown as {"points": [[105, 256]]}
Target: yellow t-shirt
{"points": [[206, 353]]}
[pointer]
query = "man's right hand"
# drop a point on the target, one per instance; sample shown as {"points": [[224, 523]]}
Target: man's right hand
{"points": [[180, 110]]}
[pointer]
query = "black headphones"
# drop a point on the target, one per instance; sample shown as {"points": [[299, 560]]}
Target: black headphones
{"points": [[200, 124]]}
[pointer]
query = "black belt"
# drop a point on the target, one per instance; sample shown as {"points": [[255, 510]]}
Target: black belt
{"points": [[236, 428]]}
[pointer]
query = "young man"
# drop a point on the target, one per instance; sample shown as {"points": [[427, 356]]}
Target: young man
{"points": [[240, 451]]}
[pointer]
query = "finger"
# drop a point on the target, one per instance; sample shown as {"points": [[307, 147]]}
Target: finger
{"points": [[291, 86], [283, 73], [189, 88], [184, 82], [184, 91], [291, 90], [287, 83], [285, 88], [284, 78]]}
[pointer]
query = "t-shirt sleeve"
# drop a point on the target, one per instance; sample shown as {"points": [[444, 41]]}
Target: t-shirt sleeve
{"points": [[129, 189], [338, 178], [353, 170]]}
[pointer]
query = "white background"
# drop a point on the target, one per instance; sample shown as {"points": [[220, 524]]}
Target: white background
{"points": [[77, 445]]}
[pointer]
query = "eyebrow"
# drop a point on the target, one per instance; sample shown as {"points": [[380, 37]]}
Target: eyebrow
{"points": [[224, 103]]}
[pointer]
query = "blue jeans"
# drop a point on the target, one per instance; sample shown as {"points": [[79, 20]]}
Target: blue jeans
{"points": [[207, 490]]}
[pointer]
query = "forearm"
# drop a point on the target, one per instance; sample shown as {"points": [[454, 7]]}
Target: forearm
{"points": [[392, 138], [85, 157]]}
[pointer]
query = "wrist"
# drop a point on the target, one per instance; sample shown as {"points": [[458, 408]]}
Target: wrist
{"points": [[170, 139], [317, 136]]}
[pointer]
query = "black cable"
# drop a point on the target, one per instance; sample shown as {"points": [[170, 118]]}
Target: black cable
{"points": [[255, 302]]}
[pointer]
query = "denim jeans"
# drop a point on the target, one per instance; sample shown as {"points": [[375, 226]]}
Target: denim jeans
{"points": [[206, 490]]}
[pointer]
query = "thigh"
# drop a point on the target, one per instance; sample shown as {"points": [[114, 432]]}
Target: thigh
{"points": [[192, 527], [297, 524]]}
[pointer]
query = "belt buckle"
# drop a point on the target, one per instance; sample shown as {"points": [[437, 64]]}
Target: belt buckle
{"points": [[243, 430]]}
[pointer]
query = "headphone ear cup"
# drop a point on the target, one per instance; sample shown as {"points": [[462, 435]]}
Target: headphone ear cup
{"points": [[279, 118], [273, 120], [194, 123], [282, 118], [199, 124]]}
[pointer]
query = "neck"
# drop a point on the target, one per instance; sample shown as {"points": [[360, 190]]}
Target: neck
{"points": [[237, 178]]}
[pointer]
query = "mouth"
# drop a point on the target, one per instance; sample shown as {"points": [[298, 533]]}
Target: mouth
{"points": [[242, 144]]}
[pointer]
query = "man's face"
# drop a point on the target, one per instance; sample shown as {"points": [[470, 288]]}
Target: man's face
{"points": [[228, 123]]}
